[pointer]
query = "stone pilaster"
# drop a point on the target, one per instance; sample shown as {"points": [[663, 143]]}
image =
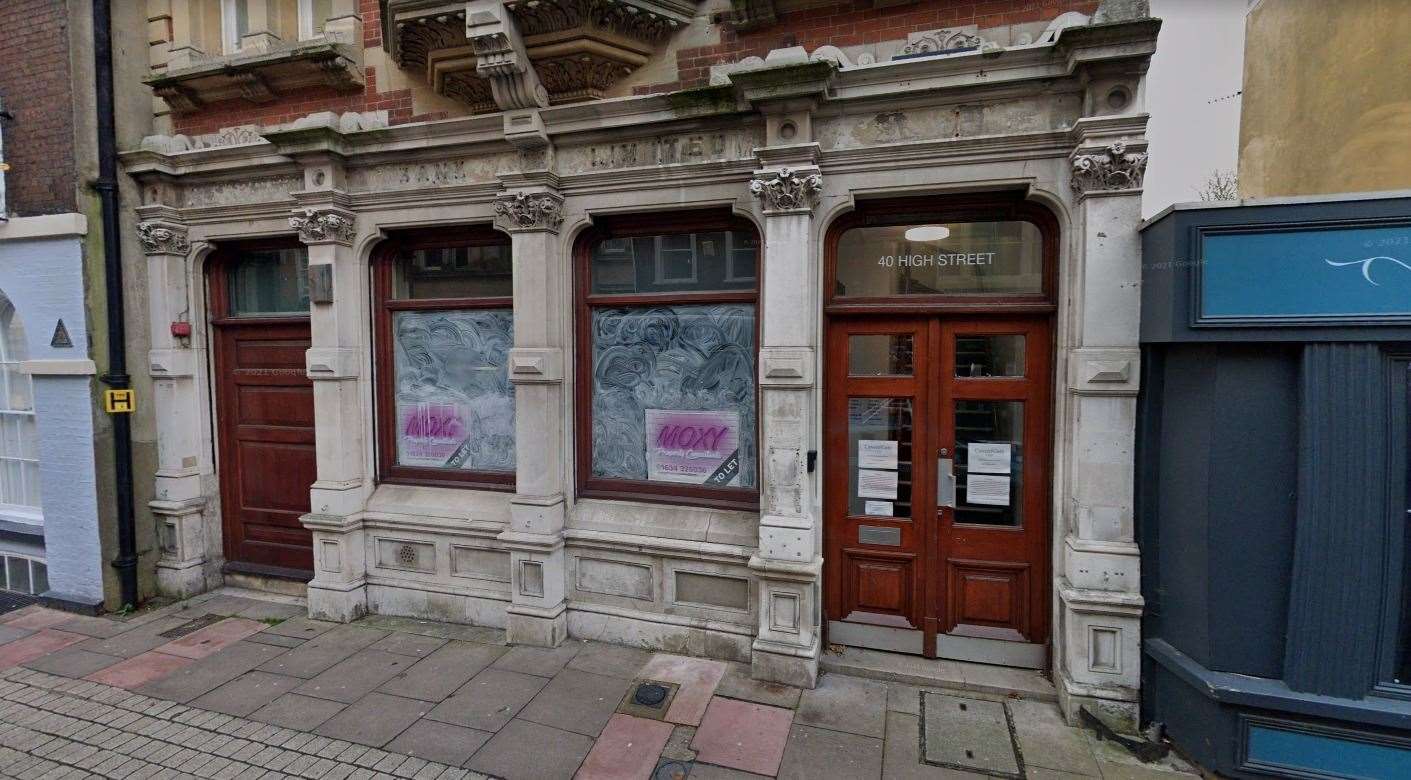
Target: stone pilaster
{"points": [[179, 503], [338, 321], [532, 212], [1099, 588], [788, 561]]}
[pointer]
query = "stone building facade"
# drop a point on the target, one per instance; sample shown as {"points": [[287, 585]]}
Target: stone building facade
{"points": [[564, 317]]}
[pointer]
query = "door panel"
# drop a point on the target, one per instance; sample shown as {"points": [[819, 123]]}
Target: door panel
{"points": [[936, 485]]}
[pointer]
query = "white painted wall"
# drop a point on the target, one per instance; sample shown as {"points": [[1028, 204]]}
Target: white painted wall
{"points": [[1191, 94]]}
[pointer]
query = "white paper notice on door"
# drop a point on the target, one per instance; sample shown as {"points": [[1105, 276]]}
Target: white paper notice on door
{"points": [[988, 457], [986, 489], [876, 454], [877, 484], [877, 508]]}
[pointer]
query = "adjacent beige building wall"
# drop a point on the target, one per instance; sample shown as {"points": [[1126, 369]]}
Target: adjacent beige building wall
{"points": [[1327, 100]]}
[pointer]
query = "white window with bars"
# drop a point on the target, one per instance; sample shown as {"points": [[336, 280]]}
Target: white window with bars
{"points": [[23, 574], [19, 440]]}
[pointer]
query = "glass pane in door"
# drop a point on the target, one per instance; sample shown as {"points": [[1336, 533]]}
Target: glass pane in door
{"points": [[978, 356], [989, 448], [880, 354], [879, 457]]}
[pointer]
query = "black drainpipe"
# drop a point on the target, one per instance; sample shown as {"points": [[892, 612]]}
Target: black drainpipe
{"points": [[116, 378]]}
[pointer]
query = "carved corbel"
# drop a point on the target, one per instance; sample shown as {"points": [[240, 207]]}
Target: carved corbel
{"points": [[500, 56], [529, 211], [321, 226], [253, 87], [1113, 169], [163, 238], [788, 190]]}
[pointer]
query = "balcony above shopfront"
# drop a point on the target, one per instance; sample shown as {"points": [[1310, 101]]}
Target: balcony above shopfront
{"points": [[512, 54]]}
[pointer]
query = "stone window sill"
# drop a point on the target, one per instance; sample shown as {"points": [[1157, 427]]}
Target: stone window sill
{"points": [[261, 76]]}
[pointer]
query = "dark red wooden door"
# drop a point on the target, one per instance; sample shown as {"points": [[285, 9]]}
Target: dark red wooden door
{"points": [[265, 423]]}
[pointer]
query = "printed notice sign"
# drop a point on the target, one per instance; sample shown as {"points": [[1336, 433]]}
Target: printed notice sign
{"points": [[876, 454], [988, 457], [986, 489], [432, 434], [877, 484], [878, 508], [699, 448]]}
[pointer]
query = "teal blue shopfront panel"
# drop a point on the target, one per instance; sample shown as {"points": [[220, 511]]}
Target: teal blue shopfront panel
{"points": [[1335, 274], [1305, 753]]}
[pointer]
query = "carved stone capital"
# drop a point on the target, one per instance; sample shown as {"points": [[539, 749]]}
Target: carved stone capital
{"points": [[787, 191], [529, 211], [1108, 170], [163, 238], [322, 226]]}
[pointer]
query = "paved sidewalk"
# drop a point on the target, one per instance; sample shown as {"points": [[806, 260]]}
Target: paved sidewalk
{"points": [[225, 686]]}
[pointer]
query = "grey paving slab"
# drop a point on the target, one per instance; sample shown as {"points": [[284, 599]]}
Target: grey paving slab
{"points": [[277, 640], [273, 610], [247, 693], [969, 734], [609, 660], [204, 675], [10, 633], [443, 671], [529, 750], [1045, 740], [577, 701], [220, 604], [323, 651], [814, 754], [482, 634], [1108, 752], [678, 746], [848, 704], [489, 700], [293, 711], [375, 719], [356, 676], [901, 758], [93, 626], [404, 643], [301, 628], [135, 641], [440, 742], [72, 662], [713, 772], [540, 661], [1111, 771], [738, 684]]}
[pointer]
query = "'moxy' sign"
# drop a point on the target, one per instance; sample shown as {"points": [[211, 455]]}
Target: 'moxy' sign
{"points": [[696, 447]]}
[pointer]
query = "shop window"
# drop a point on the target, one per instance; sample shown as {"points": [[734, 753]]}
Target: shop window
{"points": [[19, 441], [1401, 671], [668, 326], [446, 325]]}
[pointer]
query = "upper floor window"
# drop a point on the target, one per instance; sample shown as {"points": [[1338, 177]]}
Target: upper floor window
{"points": [[285, 19], [19, 445], [667, 353], [445, 326]]}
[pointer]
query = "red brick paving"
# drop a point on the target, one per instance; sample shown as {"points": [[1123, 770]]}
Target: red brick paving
{"points": [[35, 645], [741, 735], [627, 748]]}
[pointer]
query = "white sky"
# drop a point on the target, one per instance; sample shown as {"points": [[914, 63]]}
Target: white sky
{"points": [[1199, 58]]}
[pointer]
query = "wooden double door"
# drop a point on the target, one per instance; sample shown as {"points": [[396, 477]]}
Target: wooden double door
{"points": [[937, 489]]}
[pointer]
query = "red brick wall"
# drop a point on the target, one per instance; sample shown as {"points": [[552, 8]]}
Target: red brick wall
{"points": [[854, 22], [36, 89], [844, 24]]}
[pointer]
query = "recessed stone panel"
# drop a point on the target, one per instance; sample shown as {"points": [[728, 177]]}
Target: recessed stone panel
{"points": [[480, 563], [406, 555], [713, 591], [614, 578]]}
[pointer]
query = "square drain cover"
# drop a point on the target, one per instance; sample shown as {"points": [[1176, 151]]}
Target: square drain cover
{"points": [[969, 734], [191, 626]]}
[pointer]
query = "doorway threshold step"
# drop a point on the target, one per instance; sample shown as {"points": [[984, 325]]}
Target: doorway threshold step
{"points": [[939, 673]]}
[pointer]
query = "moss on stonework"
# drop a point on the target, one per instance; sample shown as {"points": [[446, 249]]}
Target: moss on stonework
{"points": [[716, 99]]}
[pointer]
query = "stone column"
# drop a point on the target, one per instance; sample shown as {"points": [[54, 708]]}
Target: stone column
{"points": [[173, 359], [532, 214], [1099, 587], [338, 304], [788, 561], [265, 20]]}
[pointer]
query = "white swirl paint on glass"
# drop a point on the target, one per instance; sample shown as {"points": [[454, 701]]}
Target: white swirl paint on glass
{"points": [[455, 404], [1366, 264], [679, 358]]}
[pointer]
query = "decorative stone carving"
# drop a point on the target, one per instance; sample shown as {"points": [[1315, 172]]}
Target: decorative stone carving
{"points": [[788, 190], [163, 238], [500, 57], [585, 77], [1113, 168], [318, 226], [944, 41], [539, 17], [530, 211]]}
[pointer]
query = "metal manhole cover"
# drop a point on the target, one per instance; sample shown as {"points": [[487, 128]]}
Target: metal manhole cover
{"points": [[968, 734], [650, 694], [191, 626], [648, 699]]}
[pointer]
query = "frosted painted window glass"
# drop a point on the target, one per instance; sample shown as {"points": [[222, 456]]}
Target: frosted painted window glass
{"points": [[454, 401], [674, 394]]}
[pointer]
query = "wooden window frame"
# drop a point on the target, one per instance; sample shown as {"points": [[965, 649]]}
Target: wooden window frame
{"points": [[636, 226], [383, 262], [950, 209]]}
